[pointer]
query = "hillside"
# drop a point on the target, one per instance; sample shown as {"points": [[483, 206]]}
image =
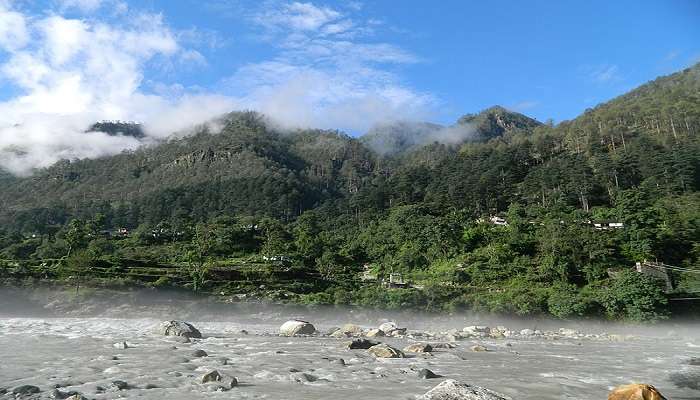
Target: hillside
{"points": [[328, 204]]}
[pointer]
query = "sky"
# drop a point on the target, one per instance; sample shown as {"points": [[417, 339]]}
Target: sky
{"points": [[347, 65]]}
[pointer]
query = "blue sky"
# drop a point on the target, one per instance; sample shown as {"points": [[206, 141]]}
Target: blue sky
{"points": [[327, 64]]}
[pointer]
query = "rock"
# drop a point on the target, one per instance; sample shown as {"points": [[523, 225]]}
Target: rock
{"points": [[694, 361], [686, 379], [25, 390], [338, 361], [121, 345], [476, 329], [296, 327], [59, 395], [375, 333], [398, 332], [118, 385], [179, 328], [388, 327], [428, 374], [418, 348], [213, 376], [453, 390], [199, 353], [635, 391], [444, 346], [339, 334], [76, 396], [385, 351], [527, 332], [568, 332], [332, 330], [478, 348], [361, 344], [351, 329], [216, 377], [302, 377]]}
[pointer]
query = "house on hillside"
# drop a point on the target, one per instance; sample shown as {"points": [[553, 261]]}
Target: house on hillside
{"points": [[607, 225]]}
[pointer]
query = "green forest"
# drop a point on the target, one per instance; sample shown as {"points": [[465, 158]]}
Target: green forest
{"points": [[517, 217]]}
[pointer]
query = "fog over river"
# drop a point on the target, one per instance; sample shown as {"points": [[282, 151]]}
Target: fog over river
{"points": [[50, 340]]}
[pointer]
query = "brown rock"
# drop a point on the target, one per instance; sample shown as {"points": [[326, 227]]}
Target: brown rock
{"points": [[636, 391]]}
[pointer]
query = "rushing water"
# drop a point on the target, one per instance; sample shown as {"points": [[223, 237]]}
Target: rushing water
{"points": [[77, 353]]}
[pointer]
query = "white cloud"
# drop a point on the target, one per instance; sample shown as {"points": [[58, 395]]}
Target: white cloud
{"points": [[324, 74], [13, 29], [604, 73], [71, 73], [83, 5]]}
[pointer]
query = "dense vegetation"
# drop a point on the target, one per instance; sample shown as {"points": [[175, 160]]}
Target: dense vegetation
{"points": [[303, 216]]}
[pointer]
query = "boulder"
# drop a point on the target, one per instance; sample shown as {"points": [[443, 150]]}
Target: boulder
{"points": [[25, 390], [351, 329], [215, 376], [636, 391], [428, 374], [453, 390], [385, 351], [118, 385], [476, 329], [375, 333], [388, 327], [694, 361], [179, 328], [361, 344], [478, 348], [302, 377], [418, 348], [199, 353], [296, 327]]}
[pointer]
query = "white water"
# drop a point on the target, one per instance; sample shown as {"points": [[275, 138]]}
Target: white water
{"points": [[78, 354]]}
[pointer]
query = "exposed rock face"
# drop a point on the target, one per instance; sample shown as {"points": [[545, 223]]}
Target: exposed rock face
{"points": [[385, 351], [418, 348], [636, 391], [179, 328], [296, 327], [453, 390]]}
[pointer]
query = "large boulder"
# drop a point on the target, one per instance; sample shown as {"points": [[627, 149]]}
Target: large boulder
{"points": [[418, 348], [635, 391], [179, 328], [453, 390], [361, 344], [216, 377], [374, 333], [385, 351], [388, 327], [296, 327], [351, 329]]}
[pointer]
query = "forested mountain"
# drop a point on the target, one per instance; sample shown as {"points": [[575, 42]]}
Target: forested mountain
{"points": [[413, 199]]}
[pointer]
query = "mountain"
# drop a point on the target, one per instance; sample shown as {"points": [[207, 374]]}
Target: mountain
{"points": [[399, 136], [114, 128], [403, 136], [246, 168], [409, 198], [497, 121]]}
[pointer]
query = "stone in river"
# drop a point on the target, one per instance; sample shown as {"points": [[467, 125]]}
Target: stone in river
{"points": [[25, 390], [296, 327], [385, 351], [453, 390], [361, 344], [199, 353], [428, 374], [636, 391], [418, 348], [179, 328]]}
